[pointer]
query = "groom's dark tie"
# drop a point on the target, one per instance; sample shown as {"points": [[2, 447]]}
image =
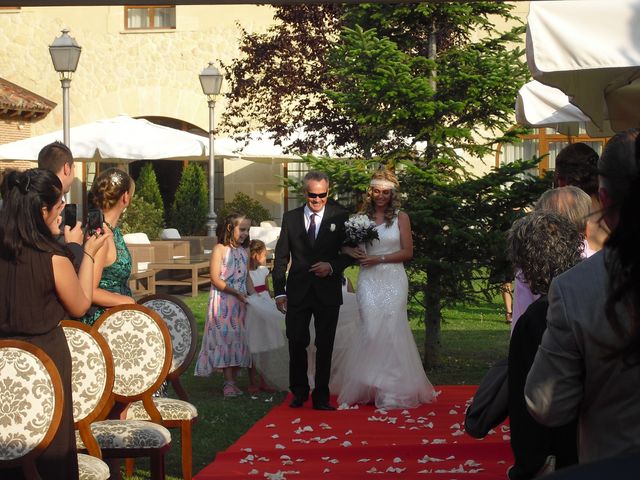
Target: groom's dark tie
{"points": [[312, 228]]}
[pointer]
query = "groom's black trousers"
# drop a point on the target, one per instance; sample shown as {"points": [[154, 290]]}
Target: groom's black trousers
{"points": [[298, 319]]}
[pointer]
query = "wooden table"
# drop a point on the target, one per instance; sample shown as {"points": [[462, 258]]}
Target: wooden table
{"points": [[193, 266], [143, 283]]}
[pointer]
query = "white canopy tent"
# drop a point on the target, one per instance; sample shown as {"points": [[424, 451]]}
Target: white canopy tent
{"points": [[539, 105], [120, 139], [590, 50]]}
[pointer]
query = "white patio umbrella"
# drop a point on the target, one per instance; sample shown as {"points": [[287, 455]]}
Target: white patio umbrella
{"points": [[259, 147], [120, 139], [539, 105], [590, 50]]}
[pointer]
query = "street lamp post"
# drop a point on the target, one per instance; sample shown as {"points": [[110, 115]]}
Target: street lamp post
{"points": [[65, 53], [211, 81]]}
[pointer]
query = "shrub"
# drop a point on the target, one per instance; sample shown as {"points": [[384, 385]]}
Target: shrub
{"points": [[247, 206], [190, 206], [147, 187], [142, 216]]}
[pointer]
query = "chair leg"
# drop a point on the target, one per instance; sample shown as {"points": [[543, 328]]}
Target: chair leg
{"points": [[185, 443], [114, 468], [156, 462], [129, 466]]}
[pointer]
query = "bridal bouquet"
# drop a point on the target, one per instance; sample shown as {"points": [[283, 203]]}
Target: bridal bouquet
{"points": [[360, 229]]}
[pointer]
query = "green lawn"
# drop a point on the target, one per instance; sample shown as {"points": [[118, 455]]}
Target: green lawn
{"points": [[473, 337]]}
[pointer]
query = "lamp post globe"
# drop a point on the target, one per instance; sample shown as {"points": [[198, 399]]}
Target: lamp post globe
{"points": [[211, 81], [65, 53]]}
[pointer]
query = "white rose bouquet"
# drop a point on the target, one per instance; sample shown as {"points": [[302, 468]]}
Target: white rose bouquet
{"points": [[360, 229]]}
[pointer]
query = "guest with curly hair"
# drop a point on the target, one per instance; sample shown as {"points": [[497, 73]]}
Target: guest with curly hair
{"points": [[588, 364], [542, 245], [571, 203]]}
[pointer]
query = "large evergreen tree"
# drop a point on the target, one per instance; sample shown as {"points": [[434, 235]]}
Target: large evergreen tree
{"points": [[148, 188], [190, 206], [374, 80]]}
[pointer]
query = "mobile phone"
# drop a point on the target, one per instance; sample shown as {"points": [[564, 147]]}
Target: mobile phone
{"points": [[94, 220], [70, 214]]}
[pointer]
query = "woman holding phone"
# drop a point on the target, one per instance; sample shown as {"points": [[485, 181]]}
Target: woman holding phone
{"points": [[111, 193], [38, 286]]}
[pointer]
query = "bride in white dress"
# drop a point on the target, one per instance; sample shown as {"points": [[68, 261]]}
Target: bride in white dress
{"points": [[383, 364]]}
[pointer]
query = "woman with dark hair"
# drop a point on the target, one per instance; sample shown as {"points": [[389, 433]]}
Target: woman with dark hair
{"points": [[577, 165], [541, 246], [588, 364], [37, 285], [111, 192]]}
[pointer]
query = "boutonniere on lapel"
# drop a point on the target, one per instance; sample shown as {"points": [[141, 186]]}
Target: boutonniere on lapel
{"points": [[332, 227]]}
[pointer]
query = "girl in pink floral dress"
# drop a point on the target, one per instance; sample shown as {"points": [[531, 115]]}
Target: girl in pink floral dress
{"points": [[224, 344]]}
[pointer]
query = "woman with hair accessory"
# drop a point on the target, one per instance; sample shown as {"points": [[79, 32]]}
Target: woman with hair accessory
{"points": [[38, 286], [383, 365], [111, 192]]}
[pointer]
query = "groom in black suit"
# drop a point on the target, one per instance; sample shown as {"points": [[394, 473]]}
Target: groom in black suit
{"points": [[311, 238]]}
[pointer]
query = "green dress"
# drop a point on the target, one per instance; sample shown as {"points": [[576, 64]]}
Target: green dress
{"points": [[115, 277]]}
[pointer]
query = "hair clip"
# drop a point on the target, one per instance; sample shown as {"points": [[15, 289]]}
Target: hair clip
{"points": [[115, 178]]}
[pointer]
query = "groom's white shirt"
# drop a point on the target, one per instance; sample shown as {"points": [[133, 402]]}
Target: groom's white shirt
{"points": [[307, 218]]}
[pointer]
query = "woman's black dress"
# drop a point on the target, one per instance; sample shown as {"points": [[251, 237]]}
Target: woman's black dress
{"points": [[30, 311]]}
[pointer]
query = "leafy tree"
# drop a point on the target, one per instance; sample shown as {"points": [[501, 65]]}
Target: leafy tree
{"points": [[374, 80], [143, 216], [244, 204], [147, 187], [190, 206]]}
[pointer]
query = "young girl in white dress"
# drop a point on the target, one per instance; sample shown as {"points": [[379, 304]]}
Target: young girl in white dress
{"points": [[383, 364], [264, 322]]}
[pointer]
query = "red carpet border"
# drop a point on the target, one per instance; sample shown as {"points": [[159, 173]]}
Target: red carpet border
{"points": [[427, 442]]}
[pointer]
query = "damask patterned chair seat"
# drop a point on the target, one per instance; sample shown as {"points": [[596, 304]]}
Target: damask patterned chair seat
{"points": [[141, 349], [118, 434], [169, 408], [174, 413], [31, 405], [92, 468]]}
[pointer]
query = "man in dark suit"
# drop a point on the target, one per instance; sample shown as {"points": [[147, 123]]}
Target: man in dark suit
{"points": [[57, 158], [311, 238]]}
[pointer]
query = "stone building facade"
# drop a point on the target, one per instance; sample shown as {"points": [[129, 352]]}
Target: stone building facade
{"points": [[150, 72]]}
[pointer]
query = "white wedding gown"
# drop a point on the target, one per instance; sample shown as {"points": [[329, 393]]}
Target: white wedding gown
{"points": [[383, 364]]}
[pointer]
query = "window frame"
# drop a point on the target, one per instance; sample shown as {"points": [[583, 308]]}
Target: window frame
{"points": [[546, 136], [150, 16]]}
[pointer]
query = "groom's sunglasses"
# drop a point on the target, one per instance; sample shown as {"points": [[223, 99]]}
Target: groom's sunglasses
{"points": [[317, 195]]}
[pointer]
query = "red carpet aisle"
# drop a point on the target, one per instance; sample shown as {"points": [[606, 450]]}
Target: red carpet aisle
{"points": [[425, 443]]}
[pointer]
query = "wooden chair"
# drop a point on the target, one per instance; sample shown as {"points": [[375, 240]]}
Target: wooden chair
{"points": [[175, 413], [141, 347], [32, 398], [91, 383], [181, 323]]}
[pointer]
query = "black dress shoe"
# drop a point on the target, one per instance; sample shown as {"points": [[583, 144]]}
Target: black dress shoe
{"points": [[297, 402], [323, 406]]}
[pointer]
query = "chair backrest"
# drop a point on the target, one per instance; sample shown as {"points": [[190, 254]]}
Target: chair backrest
{"points": [[170, 234], [91, 370], [32, 398], [141, 348], [182, 327], [138, 238], [269, 235]]}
